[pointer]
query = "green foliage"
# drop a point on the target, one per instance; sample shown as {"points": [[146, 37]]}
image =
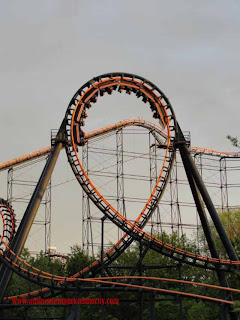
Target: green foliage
{"points": [[153, 264], [231, 223], [202, 311], [78, 259], [237, 306]]}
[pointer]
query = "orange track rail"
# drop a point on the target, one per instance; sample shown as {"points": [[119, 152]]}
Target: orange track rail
{"points": [[76, 109], [45, 151], [92, 135]]}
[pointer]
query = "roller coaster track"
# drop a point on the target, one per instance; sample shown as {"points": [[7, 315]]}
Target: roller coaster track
{"points": [[168, 135], [8, 221], [45, 151]]}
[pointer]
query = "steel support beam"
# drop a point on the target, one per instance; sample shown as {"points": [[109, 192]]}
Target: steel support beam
{"points": [[224, 184], [87, 233], [206, 228], [152, 306], [200, 209], [32, 208], [208, 234], [102, 245], [153, 180], [121, 206], [206, 197]]}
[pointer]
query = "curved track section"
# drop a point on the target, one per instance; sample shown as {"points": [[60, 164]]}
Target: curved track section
{"points": [[160, 135], [110, 282], [77, 112], [75, 115], [8, 221]]}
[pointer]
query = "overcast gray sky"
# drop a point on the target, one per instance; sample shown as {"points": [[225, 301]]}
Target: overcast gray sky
{"points": [[189, 49]]}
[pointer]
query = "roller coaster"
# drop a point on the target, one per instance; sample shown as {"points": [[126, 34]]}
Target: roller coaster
{"points": [[170, 139]]}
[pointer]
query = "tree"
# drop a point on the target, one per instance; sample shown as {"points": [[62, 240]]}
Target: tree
{"points": [[78, 259], [234, 140]]}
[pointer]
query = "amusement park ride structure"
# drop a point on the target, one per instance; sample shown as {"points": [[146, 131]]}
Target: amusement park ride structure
{"points": [[167, 143]]}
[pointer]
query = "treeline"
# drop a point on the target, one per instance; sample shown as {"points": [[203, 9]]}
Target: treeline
{"points": [[166, 306]]}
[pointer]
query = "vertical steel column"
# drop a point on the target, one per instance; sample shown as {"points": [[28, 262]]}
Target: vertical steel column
{"points": [[87, 234], [223, 180], [156, 217], [152, 306], [209, 204], [102, 244], [208, 235], [185, 154], [84, 202], [103, 311], [175, 208], [198, 161], [75, 313], [179, 267], [30, 213], [48, 212], [140, 270], [120, 177], [200, 210], [10, 186]]}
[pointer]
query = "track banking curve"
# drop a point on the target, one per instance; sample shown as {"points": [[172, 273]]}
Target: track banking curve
{"points": [[159, 104]]}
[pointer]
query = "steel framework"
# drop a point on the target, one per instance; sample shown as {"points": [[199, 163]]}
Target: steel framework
{"points": [[175, 212], [19, 188], [170, 140]]}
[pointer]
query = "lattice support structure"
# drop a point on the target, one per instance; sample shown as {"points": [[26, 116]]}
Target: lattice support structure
{"points": [[48, 212], [72, 136], [199, 163], [174, 202], [224, 184], [9, 185], [121, 206], [174, 211], [155, 221], [46, 202], [87, 233]]}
